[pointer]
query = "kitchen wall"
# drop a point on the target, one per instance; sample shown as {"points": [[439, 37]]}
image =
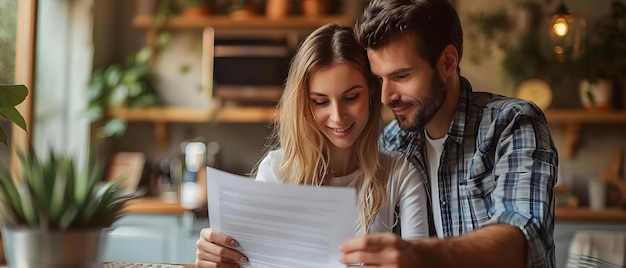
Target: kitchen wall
{"points": [[242, 144]]}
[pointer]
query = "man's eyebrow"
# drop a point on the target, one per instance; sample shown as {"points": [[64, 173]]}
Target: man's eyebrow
{"points": [[398, 71]]}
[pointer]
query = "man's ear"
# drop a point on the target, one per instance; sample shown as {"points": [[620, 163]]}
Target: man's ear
{"points": [[448, 61]]}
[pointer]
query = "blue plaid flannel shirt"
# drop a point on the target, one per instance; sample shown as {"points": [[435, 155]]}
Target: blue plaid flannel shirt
{"points": [[499, 165]]}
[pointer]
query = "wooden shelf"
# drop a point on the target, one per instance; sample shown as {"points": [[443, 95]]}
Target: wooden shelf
{"points": [[587, 215], [160, 116], [229, 114], [248, 23], [573, 120], [585, 116], [190, 115]]}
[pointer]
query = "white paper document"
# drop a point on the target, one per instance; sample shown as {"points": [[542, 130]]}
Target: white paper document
{"points": [[282, 225]]}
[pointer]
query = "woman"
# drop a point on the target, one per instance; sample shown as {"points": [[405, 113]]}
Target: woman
{"points": [[327, 132]]}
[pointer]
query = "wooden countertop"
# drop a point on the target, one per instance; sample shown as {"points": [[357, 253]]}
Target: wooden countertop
{"points": [[155, 205]]}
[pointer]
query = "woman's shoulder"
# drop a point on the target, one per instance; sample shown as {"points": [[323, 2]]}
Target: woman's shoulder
{"points": [[270, 165], [391, 158]]}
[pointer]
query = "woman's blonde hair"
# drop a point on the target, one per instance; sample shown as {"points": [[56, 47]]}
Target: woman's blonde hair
{"points": [[306, 159]]}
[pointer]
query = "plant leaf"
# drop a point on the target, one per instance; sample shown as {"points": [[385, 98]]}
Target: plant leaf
{"points": [[11, 95], [12, 114], [58, 198], [28, 205], [3, 136], [9, 190]]}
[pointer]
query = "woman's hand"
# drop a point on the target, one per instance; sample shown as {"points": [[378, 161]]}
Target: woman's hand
{"points": [[215, 249]]}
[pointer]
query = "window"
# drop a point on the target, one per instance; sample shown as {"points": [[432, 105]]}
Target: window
{"points": [[8, 26]]}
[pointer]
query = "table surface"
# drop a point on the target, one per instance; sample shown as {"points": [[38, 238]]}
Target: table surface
{"points": [[139, 265], [144, 265]]}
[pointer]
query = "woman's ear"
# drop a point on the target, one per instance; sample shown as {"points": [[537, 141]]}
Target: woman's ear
{"points": [[448, 61]]}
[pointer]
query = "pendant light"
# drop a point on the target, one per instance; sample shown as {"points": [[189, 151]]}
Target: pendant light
{"points": [[566, 34]]}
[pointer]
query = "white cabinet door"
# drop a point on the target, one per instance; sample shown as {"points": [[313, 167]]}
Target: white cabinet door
{"points": [[144, 238]]}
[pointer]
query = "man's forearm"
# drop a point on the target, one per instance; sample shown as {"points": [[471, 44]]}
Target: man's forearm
{"points": [[497, 245]]}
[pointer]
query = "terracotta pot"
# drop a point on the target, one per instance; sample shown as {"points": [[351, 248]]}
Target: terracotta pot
{"points": [[197, 11], [312, 8], [276, 9], [147, 7]]}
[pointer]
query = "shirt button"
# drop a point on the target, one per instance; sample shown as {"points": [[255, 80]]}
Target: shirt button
{"points": [[443, 202]]}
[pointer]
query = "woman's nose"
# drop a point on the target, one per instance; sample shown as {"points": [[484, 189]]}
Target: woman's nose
{"points": [[337, 113]]}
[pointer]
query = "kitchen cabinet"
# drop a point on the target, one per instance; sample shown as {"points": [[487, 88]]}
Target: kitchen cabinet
{"points": [[144, 238], [162, 238]]}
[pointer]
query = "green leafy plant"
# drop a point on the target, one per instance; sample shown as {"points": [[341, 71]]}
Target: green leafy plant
{"points": [[10, 96], [606, 45], [130, 85], [196, 3], [238, 5], [53, 195], [523, 50]]}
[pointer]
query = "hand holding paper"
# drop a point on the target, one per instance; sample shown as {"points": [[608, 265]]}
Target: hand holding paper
{"points": [[282, 225]]}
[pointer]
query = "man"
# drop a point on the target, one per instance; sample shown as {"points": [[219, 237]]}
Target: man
{"points": [[490, 160]]}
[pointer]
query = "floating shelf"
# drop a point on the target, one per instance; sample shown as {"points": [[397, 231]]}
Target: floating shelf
{"points": [[190, 115], [248, 23], [573, 120]]}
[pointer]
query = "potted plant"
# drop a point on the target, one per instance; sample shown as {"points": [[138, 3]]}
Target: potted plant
{"points": [[55, 216], [130, 85], [602, 66], [196, 7], [241, 9], [11, 96]]}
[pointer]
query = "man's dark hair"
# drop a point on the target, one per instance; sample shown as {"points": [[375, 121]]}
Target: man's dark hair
{"points": [[435, 22]]}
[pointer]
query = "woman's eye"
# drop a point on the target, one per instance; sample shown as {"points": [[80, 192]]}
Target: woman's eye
{"points": [[319, 103]]}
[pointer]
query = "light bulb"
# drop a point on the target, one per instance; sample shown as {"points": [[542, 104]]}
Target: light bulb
{"points": [[560, 27]]}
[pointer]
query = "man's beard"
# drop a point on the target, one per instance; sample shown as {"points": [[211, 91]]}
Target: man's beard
{"points": [[428, 106]]}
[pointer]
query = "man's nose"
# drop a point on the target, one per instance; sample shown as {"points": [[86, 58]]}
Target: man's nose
{"points": [[388, 93]]}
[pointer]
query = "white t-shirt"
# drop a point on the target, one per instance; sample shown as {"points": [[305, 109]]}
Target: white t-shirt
{"points": [[434, 149], [405, 189]]}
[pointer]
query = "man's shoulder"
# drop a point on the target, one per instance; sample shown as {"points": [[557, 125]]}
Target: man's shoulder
{"points": [[499, 106], [394, 138]]}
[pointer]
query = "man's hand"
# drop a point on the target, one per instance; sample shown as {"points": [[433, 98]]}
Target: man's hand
{"points": [[380, 250]]}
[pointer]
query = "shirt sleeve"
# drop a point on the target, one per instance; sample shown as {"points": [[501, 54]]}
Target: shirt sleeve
{"points": [[269, 167], [411, 199], [525, 171]]}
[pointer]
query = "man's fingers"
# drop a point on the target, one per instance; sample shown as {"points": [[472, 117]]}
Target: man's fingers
{"points": [[371, 242], [358, 258]]}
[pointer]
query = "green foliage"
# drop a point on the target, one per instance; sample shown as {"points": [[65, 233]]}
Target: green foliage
{"points": [[604, 56], [196, 3], [525, 53], [52, 195], [10, 96], [8, 27], [243, 4], [130, 85]]}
